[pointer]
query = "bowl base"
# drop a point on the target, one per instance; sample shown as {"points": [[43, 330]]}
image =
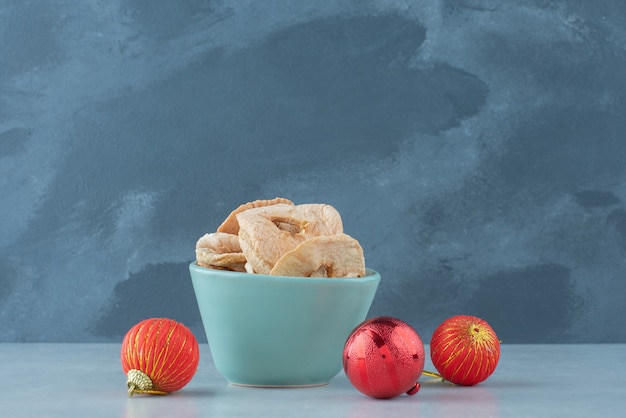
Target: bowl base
{"points": [[308, 385]]}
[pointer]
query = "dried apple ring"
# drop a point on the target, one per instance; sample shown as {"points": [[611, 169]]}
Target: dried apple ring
{"points": [[323, 256], [219, 250], [266, 233], [230, 224]]}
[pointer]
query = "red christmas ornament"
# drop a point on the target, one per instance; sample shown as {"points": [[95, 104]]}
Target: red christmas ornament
{"points": [[465, 350], [384, 357], [159, 356]]}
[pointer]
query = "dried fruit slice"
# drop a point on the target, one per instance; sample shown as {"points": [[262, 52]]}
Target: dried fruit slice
{"points": [[266, 233], [318, 219], [221, 251], [230, 224], [323, 256]]}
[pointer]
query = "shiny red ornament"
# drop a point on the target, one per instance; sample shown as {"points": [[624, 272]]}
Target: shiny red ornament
{"points": [[159, 356], [384, 357], [465, 350]]}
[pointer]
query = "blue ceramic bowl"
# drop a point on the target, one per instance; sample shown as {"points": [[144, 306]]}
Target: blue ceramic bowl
{"points": [[279, 331]]}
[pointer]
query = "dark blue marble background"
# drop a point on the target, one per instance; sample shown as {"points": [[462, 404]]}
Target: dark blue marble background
{"points": [[475, 148]]}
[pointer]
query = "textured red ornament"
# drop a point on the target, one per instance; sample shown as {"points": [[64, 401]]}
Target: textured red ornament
{"points": [[465, 350], [384, 357], [159, 356]]}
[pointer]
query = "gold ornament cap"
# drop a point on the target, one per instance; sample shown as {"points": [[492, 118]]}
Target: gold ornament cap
{"points": [[139, 382]]}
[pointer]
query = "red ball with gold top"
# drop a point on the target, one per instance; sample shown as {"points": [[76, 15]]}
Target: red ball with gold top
{"points": [[159, 356], [465, 350]]}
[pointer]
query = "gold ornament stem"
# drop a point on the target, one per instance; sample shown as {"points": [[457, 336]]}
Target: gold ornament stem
{"points": [[133, 390], [432, 374], [436, 376]]}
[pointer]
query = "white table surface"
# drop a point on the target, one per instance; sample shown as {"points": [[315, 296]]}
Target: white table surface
{"points": [[86, 380]]}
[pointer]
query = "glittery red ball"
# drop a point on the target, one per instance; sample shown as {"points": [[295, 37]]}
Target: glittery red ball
{"points": [[384, 357], [465, 350]]}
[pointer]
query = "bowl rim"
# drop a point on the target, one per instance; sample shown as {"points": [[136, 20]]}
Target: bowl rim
{"points": [[371, 275]]}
